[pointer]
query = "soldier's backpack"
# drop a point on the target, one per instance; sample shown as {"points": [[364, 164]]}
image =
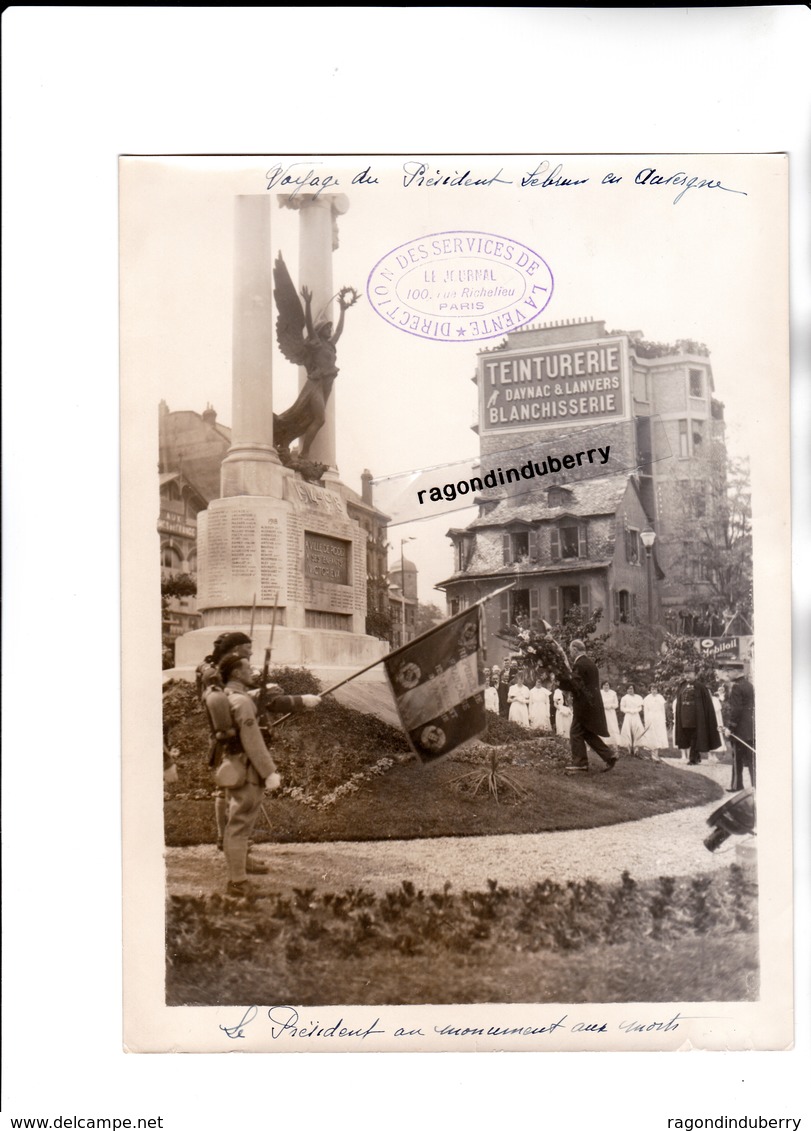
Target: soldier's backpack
{"points": [[207, 674], [227, 756]]}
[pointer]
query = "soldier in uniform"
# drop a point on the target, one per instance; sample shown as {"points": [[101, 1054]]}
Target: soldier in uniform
{"points": [[739, 711], [695, 727], [245, 801], [208, 677]]}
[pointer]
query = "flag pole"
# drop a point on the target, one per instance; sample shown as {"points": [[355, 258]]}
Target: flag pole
{"points": [[403, 647]]}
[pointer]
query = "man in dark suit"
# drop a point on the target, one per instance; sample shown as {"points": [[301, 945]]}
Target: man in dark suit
{"points": [[739, 717], [588, 719]]}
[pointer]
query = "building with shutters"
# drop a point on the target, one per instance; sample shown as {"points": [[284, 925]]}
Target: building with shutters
{"points": [[562, 546], [573, 537]]}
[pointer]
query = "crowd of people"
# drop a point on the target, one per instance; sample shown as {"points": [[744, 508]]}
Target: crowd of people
{"points": [[702, 721]]}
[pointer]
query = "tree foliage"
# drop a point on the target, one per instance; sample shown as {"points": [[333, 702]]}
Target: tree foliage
{"points": [[427, 616], [714, 547], [378, 613], [679, 653], [177, 585], [173, 585]]}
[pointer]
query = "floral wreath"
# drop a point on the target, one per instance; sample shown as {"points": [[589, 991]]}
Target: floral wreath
{"points": [[343, 292]]}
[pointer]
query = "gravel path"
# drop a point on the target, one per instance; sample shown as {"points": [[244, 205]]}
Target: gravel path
{"points": [[669, 845]]}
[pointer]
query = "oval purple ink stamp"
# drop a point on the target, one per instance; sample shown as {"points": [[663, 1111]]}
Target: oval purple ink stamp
{"points": [[460, 286]]}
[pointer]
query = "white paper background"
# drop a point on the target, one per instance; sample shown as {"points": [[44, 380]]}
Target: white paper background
{"points": [[81, 87]]}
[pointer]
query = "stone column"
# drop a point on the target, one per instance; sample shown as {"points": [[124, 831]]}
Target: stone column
{"points": [[318, 238], [252, 466]]}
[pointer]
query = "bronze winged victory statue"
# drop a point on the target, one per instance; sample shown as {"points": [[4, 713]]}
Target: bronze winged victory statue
{"points": [[316, 351]]}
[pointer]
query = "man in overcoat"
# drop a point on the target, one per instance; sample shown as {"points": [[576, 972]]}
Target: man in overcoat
{"points": [[739, 717], [588, 718], [696, 728]]}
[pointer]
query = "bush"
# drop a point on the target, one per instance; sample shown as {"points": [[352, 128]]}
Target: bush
{"points": [[295, 681], [319, 751], [546, 917], [500, 731], [181, 706]]}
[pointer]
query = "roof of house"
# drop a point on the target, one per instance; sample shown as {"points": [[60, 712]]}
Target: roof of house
{"points": [[585, 497]]}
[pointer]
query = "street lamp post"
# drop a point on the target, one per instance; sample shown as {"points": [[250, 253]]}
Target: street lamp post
{"points": [[648, 537], [402, 589]]}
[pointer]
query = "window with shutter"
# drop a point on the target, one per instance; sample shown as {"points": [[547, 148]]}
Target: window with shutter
{"points": [[632, 545], [554, 604], [568, 535], [585, 600], [506, 548], [535, 606], [624, 604], [555, 542], [583, 541], [534, 546], [616, 601], [504, 612]]}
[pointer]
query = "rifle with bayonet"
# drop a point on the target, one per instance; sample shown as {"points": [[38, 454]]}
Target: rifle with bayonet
{"points": [[261, 699]]}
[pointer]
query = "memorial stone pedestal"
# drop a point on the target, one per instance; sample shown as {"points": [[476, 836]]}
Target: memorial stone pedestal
{"points": [[274, 539], [302, 551]]}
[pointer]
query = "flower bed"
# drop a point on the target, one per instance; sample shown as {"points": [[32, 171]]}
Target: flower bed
{"points": [[324, 755], [546, 917]]}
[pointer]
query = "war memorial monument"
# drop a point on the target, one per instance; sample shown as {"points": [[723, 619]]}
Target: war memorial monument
{"points": [[278, 550]]}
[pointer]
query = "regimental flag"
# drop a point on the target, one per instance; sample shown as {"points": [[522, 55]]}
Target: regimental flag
{"points": [[438, 685]]}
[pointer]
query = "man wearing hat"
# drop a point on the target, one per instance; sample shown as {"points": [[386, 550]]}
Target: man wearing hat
{"points": [[208, 678], [245, 801], [739, 717], [695, 728]]}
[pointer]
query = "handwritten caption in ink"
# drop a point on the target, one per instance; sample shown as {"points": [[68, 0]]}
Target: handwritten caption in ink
{"points": [[285, 1024], [310, 177]]}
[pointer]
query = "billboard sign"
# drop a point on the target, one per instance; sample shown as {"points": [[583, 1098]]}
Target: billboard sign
{"points": [[580, 383]]}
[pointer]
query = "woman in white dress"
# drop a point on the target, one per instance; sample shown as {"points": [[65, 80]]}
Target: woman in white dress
{"points": [[632, 728], [518, 698], [491, 696], [563, 714], [610, 704], [653, 713], [539, 706]]}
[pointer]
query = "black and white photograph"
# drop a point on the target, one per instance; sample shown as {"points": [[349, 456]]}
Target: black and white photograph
{"points": [[405, 428], [455, 554]]}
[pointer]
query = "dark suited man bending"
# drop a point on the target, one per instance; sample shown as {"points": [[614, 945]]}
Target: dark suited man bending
{"points": [[588, 719]]}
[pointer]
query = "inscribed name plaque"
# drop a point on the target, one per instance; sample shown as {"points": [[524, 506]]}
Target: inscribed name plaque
{"points": [[241, 548], [326, 559]]}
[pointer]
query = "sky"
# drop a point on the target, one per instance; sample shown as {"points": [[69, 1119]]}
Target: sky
{"points": [[700, 265]]}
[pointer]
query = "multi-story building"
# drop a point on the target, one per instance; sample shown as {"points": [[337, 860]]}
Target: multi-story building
{"points": [[180, 503], [375, 523], [403, 601], [574, 537]]}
